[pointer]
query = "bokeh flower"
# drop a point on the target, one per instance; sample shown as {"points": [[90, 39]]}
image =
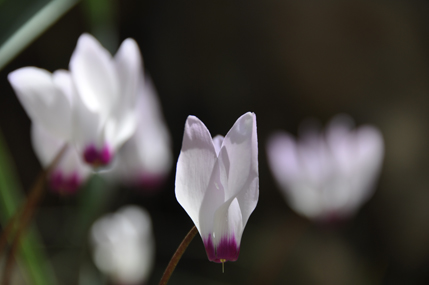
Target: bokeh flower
{"points": [[48, 99], [124, 247], [92, 108], [327, 176], [146, 158], [217, 183], [107, 87]]}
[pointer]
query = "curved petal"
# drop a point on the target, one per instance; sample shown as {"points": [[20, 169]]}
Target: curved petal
{"points": [[117, 132], [282, 158], [128, 64], [46, 146], [248, 199], [228, 229], [43, 100], [370, 153], [214, 197], [94, 74], [194, 167], [241, 160], [70, 172], [218, 141], [87, 126]]}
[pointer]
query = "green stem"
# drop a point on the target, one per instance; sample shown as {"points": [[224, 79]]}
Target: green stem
{"points": [[33, 28], [33, 258], [177, 255], [30, 207]]}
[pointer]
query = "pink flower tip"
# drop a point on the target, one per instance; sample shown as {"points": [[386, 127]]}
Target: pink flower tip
{"points": [[226, 250]]}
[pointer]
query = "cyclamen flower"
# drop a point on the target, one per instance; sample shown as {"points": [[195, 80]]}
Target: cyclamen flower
{"points": [[49, 100], [217, 183], [124, 247], [92, 108], [327, 176], [70, 172], [105, 113], [146, 158]]}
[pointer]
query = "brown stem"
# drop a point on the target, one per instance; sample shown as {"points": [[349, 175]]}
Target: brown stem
{"points": [[177, 255], [36, 194]]}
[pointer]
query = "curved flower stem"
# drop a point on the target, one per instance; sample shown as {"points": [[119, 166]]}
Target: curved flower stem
{"points": [[177, 255], [24, 219]]}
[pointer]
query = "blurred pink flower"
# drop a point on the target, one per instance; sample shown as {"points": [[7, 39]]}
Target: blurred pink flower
{"points": [[327, 176], [217, 183]]}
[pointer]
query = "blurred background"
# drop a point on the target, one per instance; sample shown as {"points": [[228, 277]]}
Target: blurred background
{"points": [[285, 61]]}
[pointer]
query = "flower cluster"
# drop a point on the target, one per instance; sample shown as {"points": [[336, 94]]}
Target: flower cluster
{"points": [[94, 109]]}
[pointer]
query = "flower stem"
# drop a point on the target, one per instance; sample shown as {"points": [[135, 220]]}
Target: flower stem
{"points": [[24, 219], [177, 255]]}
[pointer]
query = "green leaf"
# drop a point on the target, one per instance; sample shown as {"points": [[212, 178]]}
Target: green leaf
{"points": [[32, 257]]}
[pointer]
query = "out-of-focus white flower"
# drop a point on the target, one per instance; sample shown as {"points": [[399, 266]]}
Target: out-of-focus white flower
{"points": [[105, 112], [217, 183], [146, 158], [70, 172], [124, 247], [92, 108], [48, 99], [327, 176]]}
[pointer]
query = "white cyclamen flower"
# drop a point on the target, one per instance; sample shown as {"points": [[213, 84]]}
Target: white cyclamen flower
{"points": [[217, 183], [107, 87], [70, 172], [124, 247], [146, 158], [48, 99], [327, 176]]}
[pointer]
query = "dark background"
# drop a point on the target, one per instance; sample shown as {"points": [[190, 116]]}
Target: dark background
{"points": [[285, 61]]}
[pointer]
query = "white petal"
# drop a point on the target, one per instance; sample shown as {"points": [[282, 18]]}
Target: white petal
{"points": [[248, 199], [46, 146], [228, 222], [194, 167], [124, 245], [283, 158], [43, 100], [87, 126], [370, 153], [70, 171], [129, 69], [214, 197], [62, 79], [241, 161], [94, 74], [217, 141]]}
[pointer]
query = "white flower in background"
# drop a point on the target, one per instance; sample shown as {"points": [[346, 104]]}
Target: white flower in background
{"points": [[70, 172], [124, 247], [217, 183], [48, 99], [327, 176], [146, 158], [105, 113], [92, 108]]}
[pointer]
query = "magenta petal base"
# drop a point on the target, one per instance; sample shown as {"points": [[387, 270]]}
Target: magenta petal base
{"points": [[97, 157], [227, 250], [63, 184]]}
